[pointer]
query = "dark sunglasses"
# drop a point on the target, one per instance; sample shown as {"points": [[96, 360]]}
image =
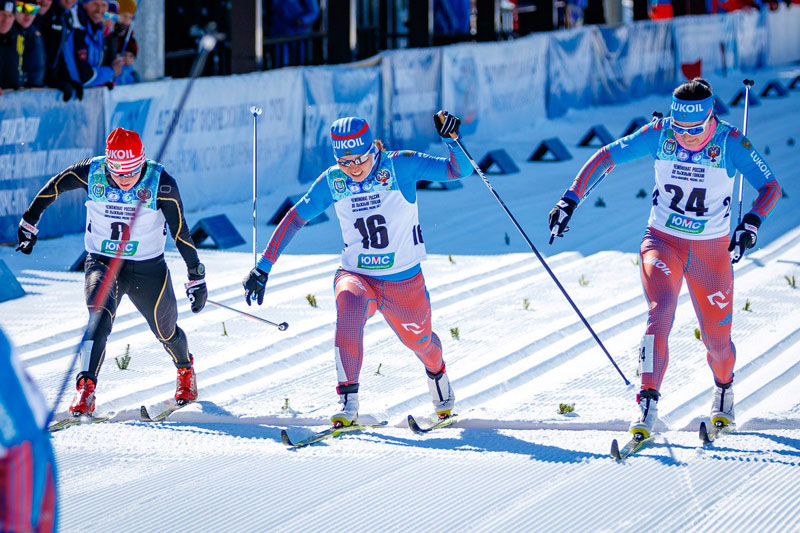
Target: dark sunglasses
{"points": [[27, 9]]}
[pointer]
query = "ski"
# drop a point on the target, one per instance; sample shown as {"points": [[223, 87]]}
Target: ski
{"points": [[77, 421], [145, 416], [333, 431], [441, 423], [708, 436], [633, 446]]}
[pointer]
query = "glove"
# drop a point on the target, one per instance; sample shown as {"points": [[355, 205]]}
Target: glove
{"points": [[560, 215], [197, 292], [67, 89], [744, 237], [78, 89], [26, 237], [254, 284], [447, 124]]}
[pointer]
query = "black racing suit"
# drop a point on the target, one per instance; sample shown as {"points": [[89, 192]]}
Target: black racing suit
{"points": [[146, 282]]}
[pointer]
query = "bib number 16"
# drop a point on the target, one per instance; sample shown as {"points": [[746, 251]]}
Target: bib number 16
{"points": [[373, 232]]}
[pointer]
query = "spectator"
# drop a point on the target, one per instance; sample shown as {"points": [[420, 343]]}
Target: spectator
{"points": [[9, 57], [30, 45], [56, 25], [129, 74], [84, 49], [288, 18], [44, 7]]}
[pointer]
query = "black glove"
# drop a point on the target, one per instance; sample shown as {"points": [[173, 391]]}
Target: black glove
{"points": [[78, 89], [560, 215], [197, 292], [254, 284], [447, 124], [744, 236], [67, 89], [26, 237]]}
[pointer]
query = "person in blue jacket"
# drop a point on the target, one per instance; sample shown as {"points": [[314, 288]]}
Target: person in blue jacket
{"points": [[374, 192], [27, 464], [83, 50], [696, 158]]}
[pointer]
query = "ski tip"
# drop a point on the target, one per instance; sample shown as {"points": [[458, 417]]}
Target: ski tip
{"points": [[286, 440], [413, 426], [703, 434], [144, 415], [615, 450]]}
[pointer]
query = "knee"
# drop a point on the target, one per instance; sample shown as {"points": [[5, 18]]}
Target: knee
{"points": [[348, 299]]}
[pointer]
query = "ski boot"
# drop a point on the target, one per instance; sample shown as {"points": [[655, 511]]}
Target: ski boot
{"points": [[642, 427], [722, 405], [83, 403], [186, 385], [441, 393], [347, 415]]}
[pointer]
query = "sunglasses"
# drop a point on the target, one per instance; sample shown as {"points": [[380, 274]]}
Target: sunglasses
{"points": [[125, 176], [27, 9], [110, 16], [692, 130], [357, 161]]}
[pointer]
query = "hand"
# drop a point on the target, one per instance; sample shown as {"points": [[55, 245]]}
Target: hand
{"points": [[116, 64], [254, 285], [446, 124], [197, 292], [67, 89], [26, 237], [559, 217], [744, 237], [78, 87]]}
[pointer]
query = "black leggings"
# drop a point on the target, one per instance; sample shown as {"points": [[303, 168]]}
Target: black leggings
{"points": [[149, 286]]}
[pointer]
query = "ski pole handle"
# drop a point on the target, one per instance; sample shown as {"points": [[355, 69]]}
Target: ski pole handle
{"points": [[282, 326]]}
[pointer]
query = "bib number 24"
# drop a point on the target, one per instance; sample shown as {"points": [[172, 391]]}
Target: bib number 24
{"points": [[695, 202]]}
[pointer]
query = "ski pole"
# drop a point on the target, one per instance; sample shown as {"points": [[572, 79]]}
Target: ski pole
{"points": [[535, 251], [747, 84], [207, 44], [282, 326], [256, 111]]}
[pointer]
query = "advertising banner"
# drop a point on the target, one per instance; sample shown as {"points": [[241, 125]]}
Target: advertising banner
{"points": [[332, 93], [41, 135], [493, 85], [210, 153], [411, 88]]}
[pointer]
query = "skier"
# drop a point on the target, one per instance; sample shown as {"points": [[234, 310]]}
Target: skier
{"points": [[27, 465], [374, 194], [696, 157], [115, 183]]}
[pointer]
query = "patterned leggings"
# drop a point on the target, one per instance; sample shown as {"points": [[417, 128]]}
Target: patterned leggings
{"points": [[405, 306], [665, 261]]}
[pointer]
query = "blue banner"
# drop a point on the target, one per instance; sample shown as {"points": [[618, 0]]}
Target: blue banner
{"points": [[332, 93], [40, 136], [411, 88], [571, 71]]}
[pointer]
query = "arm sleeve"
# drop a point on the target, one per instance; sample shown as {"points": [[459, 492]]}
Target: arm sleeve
{"points": [[74, 177], [756, 171], [313, 203], [169, 202], [412, 167], [634, 146], [80, 70]]}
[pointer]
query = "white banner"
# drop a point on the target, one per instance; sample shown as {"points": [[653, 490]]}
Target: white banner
{"points": [[783, 34], [411, 88], [494, 85], [702, 38], [210, 152]]}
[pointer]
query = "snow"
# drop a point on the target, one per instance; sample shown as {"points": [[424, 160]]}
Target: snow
{"points": [[512, 463]]}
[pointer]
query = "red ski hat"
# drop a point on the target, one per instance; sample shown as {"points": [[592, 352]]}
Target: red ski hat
{"points": [[124, 151]]}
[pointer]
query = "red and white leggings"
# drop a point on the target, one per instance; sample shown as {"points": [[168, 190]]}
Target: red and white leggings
{"points": [[706, 265], [404, 304]]}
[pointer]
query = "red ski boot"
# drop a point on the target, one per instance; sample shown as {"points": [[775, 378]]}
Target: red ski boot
{"points": [[186, 387], [83, 403]]}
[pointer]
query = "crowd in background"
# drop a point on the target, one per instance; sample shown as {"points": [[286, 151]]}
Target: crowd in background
{"points": [[67, 45]]}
